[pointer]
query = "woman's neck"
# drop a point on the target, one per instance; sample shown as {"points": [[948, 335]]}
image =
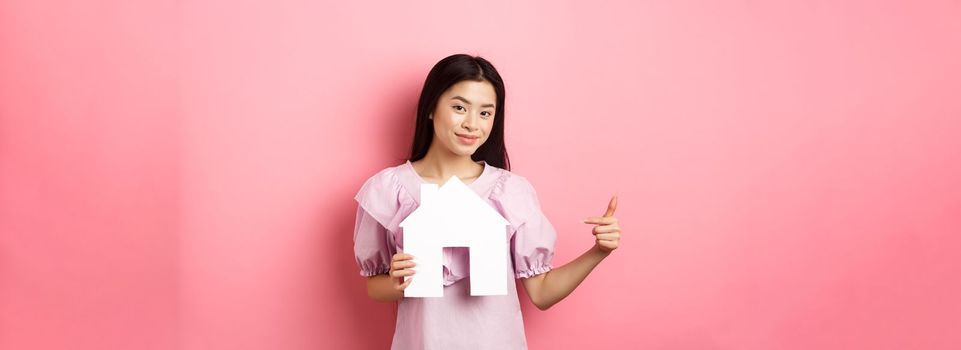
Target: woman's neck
{"points": [[440, 166]]}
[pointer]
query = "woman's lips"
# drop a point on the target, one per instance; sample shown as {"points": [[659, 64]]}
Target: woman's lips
{"points": [[467, 139]]}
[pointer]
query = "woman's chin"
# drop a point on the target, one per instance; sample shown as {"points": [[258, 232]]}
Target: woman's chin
{"points": [[463, 150]]}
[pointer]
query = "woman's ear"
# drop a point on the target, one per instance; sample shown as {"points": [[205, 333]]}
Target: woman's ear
{"points": [[430, 116]]}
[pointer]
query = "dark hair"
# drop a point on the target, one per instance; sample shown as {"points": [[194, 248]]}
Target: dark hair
{"points": [[449, 71]]}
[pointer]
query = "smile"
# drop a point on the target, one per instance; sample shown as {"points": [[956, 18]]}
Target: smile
{"points": [[467, 139]]}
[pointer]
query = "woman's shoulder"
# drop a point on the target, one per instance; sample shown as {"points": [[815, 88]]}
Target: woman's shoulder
{"points": [[384, 198], [385, 175], [516, 195], [384, 180], [511, 184]]}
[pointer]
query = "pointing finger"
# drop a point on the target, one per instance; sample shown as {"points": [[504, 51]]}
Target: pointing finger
{"points": [[606, 220]]}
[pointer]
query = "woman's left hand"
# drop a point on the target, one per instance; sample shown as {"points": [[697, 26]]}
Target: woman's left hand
{"points": [[606, 230]]}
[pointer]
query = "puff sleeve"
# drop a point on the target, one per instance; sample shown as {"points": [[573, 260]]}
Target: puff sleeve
{"points": [[372, 249], [377, 205], [532, 245]]}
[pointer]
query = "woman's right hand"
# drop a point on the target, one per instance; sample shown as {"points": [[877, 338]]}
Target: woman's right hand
{"points": [[400, 266]]}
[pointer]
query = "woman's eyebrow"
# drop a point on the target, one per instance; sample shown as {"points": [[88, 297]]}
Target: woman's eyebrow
{"points": [[468, 102]]}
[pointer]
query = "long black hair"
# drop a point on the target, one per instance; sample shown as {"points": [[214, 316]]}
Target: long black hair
{"points": [[447, 72]]}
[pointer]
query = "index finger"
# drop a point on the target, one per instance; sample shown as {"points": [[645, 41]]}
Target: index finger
{"points": [[600, 220], [402, 256]]}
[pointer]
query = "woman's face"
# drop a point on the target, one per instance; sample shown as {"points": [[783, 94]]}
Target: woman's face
{"points": [[464, 116]]}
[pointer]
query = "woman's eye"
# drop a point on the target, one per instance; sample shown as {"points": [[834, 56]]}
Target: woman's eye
{"points": [[459, 108], [486, 114]]}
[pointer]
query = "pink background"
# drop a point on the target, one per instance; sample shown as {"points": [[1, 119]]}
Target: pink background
{"points": [[179, 175]]}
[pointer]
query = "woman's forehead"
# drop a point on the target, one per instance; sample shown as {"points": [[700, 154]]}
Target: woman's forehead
{"points": [[478, 89], [475, 92]]}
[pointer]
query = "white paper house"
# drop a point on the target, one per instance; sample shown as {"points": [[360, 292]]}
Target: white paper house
{"points": [[455, 216]]}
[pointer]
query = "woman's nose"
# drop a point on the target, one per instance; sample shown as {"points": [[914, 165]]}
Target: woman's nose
{"points": [[470, 123]]}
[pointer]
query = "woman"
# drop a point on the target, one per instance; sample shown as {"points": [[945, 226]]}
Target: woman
{"points": [[460, 132]]}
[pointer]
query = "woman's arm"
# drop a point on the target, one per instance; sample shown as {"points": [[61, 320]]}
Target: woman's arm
{"points": [[381, 288], [548, 288], [390, 287]]}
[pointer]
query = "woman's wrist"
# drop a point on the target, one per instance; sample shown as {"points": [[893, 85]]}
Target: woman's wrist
{"points": [[600, 252], [381, 288]]}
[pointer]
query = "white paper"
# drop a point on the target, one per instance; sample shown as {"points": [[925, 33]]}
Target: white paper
{"points": [[454, 216]]}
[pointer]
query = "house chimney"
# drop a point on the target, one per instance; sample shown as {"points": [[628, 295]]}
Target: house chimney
{"points": [[428, 193]]}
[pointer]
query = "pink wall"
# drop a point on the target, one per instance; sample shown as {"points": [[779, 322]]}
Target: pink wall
{"points": [[180, 175]]}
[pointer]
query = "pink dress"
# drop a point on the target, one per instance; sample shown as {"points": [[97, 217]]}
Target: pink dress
{"points": [[458, 320]]}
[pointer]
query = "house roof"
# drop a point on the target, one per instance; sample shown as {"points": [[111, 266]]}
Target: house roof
{"points": [[453, 201]]}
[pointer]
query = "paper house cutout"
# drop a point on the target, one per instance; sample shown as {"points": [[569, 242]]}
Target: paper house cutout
{"points": [[454, 216]]}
